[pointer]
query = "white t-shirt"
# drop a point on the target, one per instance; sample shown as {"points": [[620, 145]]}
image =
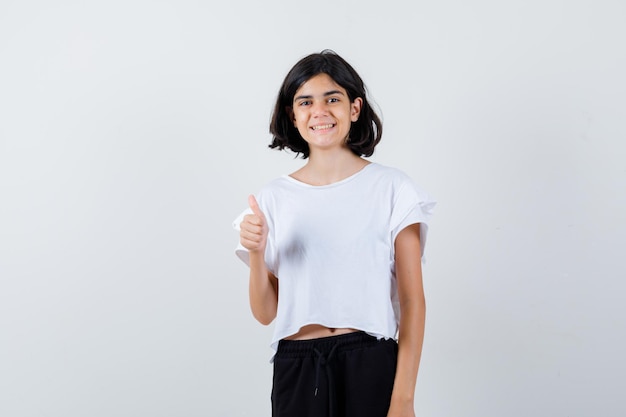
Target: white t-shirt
{"points": [[332, 248]]}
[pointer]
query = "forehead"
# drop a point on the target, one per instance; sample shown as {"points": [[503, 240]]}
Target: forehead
{"points": [[319, 84]]}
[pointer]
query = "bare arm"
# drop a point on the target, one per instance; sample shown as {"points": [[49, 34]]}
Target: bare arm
{"points": [[412, 320], [263, 284]]}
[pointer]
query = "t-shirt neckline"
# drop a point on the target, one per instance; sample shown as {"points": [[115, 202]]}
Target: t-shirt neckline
{"points": [[333, 184]]}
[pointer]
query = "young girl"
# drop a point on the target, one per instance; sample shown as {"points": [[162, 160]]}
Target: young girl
{"points": [[334, 251]]}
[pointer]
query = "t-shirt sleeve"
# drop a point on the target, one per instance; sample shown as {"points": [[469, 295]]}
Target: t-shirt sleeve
{"points": [[412, 205]]}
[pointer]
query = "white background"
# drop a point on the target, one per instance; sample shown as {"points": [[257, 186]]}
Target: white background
{"points": [[131, 133]]}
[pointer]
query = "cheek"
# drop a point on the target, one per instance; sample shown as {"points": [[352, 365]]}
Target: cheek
{"points": [[300, 119], [300, 126]]}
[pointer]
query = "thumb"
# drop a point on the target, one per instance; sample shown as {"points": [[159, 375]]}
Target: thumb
{"points": [[255, 206]]}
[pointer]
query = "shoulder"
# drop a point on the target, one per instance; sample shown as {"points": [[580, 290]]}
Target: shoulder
{"points": [[276, 193], [400, 183], [386, 170], [391, 176], [277, 186]]}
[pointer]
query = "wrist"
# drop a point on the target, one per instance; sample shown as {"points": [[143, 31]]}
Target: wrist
{"points": [[402, 397], [257, 253]]}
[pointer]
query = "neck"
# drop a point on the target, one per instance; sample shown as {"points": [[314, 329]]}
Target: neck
{"points": [[325, 168]]}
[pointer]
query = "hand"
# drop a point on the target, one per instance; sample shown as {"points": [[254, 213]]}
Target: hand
{"points": [[253, 234]]}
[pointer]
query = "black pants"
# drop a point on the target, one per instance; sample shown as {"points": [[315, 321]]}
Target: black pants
{"points": [[350, 375]]}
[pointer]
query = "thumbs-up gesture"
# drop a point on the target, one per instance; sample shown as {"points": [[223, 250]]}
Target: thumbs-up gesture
{"points": [[253, 234]]}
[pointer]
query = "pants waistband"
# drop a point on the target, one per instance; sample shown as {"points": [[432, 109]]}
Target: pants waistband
{"points": [[313, 347]]}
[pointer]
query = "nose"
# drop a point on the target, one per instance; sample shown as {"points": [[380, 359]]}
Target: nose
{"points": [[319, 108]]}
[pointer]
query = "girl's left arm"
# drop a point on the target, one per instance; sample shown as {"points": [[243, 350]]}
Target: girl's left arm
{"points": [[412, 319]]}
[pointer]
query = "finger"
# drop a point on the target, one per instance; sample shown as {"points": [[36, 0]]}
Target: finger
{"points": [[248, 239], [252, 227], [251, 220], [249, 244], [255, 206]]}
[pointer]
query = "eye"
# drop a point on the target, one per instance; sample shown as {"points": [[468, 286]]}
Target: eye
{"points": [[304, 103], [333, 100]]}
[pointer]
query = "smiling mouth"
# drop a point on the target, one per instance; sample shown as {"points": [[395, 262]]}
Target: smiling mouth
{"points": [[322, 127]]}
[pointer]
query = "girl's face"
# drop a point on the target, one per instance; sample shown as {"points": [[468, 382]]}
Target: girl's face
{"points": [[323, 113]]}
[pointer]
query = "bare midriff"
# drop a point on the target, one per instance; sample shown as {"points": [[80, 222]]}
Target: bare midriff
{"points": [[315, 331]]}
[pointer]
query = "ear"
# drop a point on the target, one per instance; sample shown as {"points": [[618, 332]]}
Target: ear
{"points": [[355, 109]]}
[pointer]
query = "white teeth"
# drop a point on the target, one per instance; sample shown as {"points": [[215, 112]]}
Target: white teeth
{"points": [[322, 127]]}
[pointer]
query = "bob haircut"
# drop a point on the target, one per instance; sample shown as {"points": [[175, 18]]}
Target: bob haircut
{"points": [[364, 134]]}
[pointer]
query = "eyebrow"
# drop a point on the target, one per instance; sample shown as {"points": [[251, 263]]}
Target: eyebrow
{"points": [[326, 94]]}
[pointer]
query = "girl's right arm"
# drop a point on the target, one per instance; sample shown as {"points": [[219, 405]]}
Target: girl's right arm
{"points": [[263, 284]]}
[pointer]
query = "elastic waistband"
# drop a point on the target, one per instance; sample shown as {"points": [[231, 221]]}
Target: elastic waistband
{"points": [[312, 347]]}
